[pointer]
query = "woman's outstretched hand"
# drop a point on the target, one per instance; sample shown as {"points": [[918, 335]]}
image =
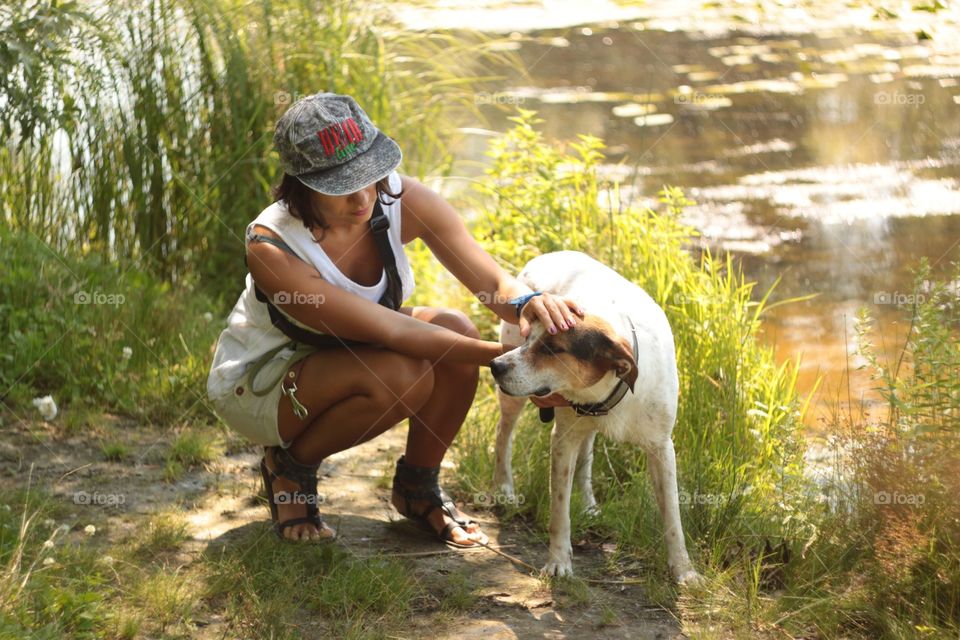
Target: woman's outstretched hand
{"points": [[555, 312]]}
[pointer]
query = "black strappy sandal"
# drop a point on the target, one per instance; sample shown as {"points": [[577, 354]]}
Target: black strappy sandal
{"points": [[304, 475], [420, 483]]}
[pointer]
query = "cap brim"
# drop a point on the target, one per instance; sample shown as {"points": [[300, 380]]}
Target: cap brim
{"points": [[377, 162]]}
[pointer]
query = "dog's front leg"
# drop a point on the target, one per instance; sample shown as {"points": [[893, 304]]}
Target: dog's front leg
{"points": [[510, 408], [564, 445]]}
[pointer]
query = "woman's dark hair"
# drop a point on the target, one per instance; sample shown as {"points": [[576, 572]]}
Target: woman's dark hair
{"points": [[296, 196]]}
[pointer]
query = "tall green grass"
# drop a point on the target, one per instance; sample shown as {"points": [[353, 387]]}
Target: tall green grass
{"points": [[100, 335], [144, 129]]}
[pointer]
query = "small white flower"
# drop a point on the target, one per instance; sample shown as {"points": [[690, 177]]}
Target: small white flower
{"points": [[107, 560], [48, 544], [127, 353], [46, 406], [208, 316], [48, 523], [48, 561], [6, 507], [89, 529]]}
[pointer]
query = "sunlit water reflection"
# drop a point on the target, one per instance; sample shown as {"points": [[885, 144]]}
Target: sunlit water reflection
{"points": [[831, 159]]}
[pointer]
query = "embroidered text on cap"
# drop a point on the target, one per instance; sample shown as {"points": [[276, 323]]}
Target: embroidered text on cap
{"points": [[340, 138]]}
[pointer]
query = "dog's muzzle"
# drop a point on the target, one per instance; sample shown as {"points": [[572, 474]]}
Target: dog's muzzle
{"points": [[498, 368]]}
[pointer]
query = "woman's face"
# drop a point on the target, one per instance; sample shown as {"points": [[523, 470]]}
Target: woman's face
{"points": [[346, 211]]}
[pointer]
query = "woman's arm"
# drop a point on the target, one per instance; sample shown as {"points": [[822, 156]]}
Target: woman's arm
{"points": [[330, 309], [428, 216]]}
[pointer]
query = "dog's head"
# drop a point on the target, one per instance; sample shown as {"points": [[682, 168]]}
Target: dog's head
{"points": [[565, 362]]}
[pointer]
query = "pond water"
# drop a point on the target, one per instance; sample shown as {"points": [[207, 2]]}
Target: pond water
{"points": [[830, 159]]}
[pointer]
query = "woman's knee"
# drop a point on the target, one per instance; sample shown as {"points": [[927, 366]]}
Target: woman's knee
{"points": [[404, 382], [456, 320]]}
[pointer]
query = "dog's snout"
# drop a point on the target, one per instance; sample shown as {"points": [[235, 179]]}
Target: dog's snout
{"points": [[497, 368]]}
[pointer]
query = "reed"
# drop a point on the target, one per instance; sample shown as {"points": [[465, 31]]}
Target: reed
{"points": [[153, 136]]}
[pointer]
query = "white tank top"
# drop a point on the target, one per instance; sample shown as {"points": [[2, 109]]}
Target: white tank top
{"points": [[249, 333]]}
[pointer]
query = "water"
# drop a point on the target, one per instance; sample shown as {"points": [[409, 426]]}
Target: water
{"points": [[828, 159]]}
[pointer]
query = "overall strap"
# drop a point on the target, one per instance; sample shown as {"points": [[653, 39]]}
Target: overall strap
{"points": [[391, 298], [379, 225]]}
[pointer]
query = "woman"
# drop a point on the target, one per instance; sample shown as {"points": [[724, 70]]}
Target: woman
{"points": [[310, 364]]}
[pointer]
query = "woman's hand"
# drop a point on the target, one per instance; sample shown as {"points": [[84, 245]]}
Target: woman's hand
{"points": [[556, 313]]}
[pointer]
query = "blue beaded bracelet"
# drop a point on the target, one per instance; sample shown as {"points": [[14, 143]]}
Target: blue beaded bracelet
{"points": [[520, 301]]}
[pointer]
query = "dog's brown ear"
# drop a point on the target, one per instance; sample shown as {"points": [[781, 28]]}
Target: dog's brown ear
{"points": [[618, 355]]}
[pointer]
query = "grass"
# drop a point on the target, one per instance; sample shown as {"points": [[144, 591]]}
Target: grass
{"points": [[135, 587], [72, 344], [163, 112], [355, 597]]}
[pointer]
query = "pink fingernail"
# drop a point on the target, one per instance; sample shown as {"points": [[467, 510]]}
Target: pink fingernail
{"points": [[563, 326], [553, 330]]}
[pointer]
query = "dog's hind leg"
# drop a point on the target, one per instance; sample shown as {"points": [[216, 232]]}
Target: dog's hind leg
{"points": [[584, 475], [510, 408], [662, 462]]}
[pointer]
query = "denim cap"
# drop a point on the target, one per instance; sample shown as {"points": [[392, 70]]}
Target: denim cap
{"points": [[328, 142]]}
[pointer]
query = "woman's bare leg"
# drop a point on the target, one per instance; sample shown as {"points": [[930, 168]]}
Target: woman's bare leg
{"points": [[434, 425], [356, 394], [351, 396]]}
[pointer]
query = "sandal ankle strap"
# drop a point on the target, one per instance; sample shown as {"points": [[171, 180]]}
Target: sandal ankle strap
{"points": [[413, 475], [422, 483], [288, 467]]}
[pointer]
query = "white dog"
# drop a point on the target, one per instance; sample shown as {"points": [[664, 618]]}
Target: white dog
{"points": [[618, 367]]}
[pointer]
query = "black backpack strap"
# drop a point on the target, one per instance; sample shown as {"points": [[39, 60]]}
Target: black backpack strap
{"points": [[259, 237], [391, 298], [379, 225]]}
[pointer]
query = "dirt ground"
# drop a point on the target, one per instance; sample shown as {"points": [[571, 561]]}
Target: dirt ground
{"points": [[219, 503]]}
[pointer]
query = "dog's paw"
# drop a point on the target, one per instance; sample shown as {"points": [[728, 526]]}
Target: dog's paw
{"points": [[557, 568], [505, 490], [690, 578], [592, 510]]}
